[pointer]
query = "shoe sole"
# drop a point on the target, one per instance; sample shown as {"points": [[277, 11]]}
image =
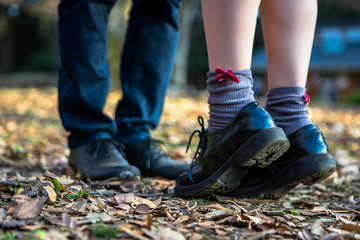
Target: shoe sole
{"points": [[307, 170], [261, 149]]}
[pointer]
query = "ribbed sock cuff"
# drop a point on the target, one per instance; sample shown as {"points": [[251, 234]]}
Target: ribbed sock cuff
{"points": [[227, 98], [287, 106]]}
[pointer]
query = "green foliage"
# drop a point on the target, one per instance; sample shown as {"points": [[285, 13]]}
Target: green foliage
{"points": [[18, 152], [57, 185], [8, 236], [102, 230], [40, 234], [201, 201], [78, 195], [18, 182], [293, 212]]}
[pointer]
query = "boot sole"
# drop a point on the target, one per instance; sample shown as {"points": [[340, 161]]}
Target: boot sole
{"points": [[261, 149], [307, 170]]}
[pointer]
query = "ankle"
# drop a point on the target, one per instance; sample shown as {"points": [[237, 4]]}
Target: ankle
{"points": [[287, 106], [229, 92]]}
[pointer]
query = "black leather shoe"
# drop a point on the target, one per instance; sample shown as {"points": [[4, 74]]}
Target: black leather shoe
{"points": [[152, 161], [102, 159], [251, 138], [308, 161]]}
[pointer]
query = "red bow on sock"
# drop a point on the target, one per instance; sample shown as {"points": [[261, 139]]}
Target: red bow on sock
{"points": [[222, 75], [306, 96]]}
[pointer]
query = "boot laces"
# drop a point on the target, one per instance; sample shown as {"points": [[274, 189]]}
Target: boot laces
{"points": [[201, 145]]}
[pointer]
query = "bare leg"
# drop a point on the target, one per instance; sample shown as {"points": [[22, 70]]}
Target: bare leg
{"points": [[288, 28], [229, 28]]}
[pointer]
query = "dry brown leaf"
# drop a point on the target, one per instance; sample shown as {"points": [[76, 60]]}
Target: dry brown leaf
{"points": [[50, 193], [305, 234], [124, 207], [220, 232], [140, 200], [137, 222], [217, 206], [29, 209], [21, 198], [255, 220], [164, 234], [61, 180], [79, 206], [218, 214], [261, 235], [69, 221], [196, 236], [169, 215], [52, 209], [3, 214], [55, 221], [319, 210], [302, 203], [142, 208], [182, 219], [137, 234], [157, 201], [318, 229], [126, 198], [96, 217], [350, 228]]}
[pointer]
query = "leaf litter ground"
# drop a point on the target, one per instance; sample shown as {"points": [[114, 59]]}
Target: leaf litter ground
{"points": [[40, 199]]}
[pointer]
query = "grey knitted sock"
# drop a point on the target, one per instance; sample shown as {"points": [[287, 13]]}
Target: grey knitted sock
{"points": [[227, 98], [287, 106]]}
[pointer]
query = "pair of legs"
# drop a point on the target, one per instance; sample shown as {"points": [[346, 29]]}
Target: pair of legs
{"points": [[236, 153], [288, 32], [146, 65], [84, 79], [288, 29]]}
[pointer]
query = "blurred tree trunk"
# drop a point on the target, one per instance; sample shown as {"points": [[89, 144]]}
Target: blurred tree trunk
{"points": [[187, 16]]}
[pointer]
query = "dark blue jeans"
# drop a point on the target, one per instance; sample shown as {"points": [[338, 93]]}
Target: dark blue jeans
{"points": [[84, 79]]}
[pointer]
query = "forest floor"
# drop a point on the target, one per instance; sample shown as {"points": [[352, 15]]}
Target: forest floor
{"points": [[39, 200]]}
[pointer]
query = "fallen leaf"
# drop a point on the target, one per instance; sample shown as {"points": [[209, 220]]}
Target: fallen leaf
{"points": [[3, 214], [21, 197], [350, 228], [124, 207], [319, 210], [318, 229], [142, 208], [29, 209], [302, 203], [125, 198], [50, 193], [256, 220], [96, 217], [217, 214], [164, 234], [305, 235], [196, 236], [137, 234], [79, 206], [140, 200], [55, 221], [69, 221]]}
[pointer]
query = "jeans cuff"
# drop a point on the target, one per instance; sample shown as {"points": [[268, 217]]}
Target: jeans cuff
{"points": [[75, 142]]}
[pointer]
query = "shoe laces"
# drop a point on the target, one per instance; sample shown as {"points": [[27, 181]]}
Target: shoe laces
{"points": [[101, 147], [199, 150]]}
